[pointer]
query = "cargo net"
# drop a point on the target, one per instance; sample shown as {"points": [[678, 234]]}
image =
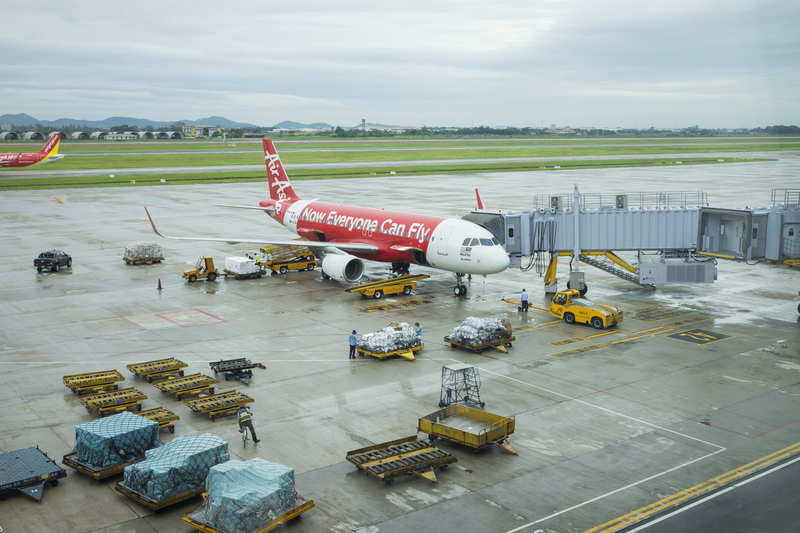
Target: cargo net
{"points": [[247, 496], [115, 439], [143, 251], [474, 331], [180, 465], [395, 336]]}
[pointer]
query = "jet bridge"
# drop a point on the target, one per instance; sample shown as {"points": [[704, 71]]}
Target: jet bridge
{"points": [[662, 228]]}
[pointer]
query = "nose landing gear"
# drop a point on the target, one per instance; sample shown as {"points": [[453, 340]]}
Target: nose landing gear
{"points": [[460, 289]]}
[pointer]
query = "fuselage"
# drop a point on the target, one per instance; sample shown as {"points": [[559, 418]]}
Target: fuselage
{"points": [[45, 155], [444, 243]]}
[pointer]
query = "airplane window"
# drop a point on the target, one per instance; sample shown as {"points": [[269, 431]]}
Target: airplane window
{"points": [[494, 240], [466, 242], [475, 242], [486, 242]]}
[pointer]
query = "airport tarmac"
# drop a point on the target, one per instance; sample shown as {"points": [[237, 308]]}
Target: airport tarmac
{"points": [[604, 425]]}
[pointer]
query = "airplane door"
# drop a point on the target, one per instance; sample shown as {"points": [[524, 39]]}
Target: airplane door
{"points": [[443, 238]]}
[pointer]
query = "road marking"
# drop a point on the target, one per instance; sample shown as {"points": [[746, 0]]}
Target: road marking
{"points": [[642, 336], [686, 321], [396, 305], [564, 342], [699, 336], [601, 334], [656, 313], [576, 351]]}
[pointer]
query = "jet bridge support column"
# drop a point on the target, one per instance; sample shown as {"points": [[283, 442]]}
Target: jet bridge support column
{"points": [[576, 280]]}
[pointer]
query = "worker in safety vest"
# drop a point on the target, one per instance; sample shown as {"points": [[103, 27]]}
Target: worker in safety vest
{"points": [[524, 299], [419, 332], [353, 340], [258, 259], [246, 419]]}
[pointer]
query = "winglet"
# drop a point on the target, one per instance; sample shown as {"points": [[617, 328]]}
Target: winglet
{"points": [[152, 223], [480, 202]]}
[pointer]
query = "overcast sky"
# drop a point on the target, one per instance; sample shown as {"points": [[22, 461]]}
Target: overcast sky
{"points": [[580, 63]]}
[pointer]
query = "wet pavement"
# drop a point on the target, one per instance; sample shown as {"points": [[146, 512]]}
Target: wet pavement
{"points": [[602, 427]]}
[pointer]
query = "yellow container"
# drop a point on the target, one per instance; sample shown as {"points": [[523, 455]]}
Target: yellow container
{"points": [[468, 426]]}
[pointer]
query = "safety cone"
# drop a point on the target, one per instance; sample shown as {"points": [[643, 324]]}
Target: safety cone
{"points": [[469, 277], [159, 283]]}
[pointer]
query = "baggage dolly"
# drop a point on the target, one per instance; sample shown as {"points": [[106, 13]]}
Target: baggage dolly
{"points": [[27, 471], [236, 369], [196, 518], [163, 416], [96, 472], [217, 405], [470, 427], [114, 401], [378, 289], [401, 457], [159, 369], [498, 344], [157, 505], [93, 381], [407, 353], [186, 385]]}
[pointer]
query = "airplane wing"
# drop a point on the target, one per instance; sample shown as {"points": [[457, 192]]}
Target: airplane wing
{"points": [[364, 248], [270, 209]]}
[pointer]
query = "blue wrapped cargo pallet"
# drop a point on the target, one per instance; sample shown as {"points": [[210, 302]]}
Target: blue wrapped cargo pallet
{"points": [[115, 439]]}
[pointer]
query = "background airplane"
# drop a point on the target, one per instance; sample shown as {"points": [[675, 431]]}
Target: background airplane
{"points": [[47, 154], [342, 235]]}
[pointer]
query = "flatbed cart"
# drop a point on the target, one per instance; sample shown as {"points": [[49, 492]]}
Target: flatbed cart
{"points": [[27, 471], [157, 505], [470, 427], [285, 258], [236, 369], [93, 381], [145, 261], [113, 402], [407, 353], [163, 416], [188, 385], [195, 518], [96, 472], [378, 289], [217, 405], [497, 344], [260, 272], [401, 457], [158, 369]]}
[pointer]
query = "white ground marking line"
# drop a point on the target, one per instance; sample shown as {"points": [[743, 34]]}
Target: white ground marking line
{"points": [[711, 497], [720, 449]]}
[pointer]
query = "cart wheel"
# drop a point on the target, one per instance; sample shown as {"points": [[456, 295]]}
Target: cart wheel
{"points": [[259, 276], [508, 345], [138, 407], [407, 290], [483, 404], [192, 278], [441, 404], [74, 389], [311, 267], [453, 346], [172, 429], [54, 483], [378, 295], [284, 270], [212, 277]]}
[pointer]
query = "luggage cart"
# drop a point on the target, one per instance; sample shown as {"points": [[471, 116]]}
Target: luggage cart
{"points": [[114, 401], [461, 383], [407, 353], [497, 344], [470, 427], [378, 289], [401, 457], [236, 369], [93, 381], [27, 471], [217, 405], [96, 472], [196, 518], [161, 368], [186, 385], [163, 416], [157, 505]]}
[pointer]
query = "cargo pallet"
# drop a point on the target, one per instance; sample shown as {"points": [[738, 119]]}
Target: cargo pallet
{"points": [[257, 274], [407, 353], [470, 427], [96, 472], [377, 289], [497, 344], [157, 505], [217, 405], [27, 471], [146, 261], [236, 369], [186, 385], [161, 368], [114, 401], [93, 381], [195, 518], [163, 416], [401, 457]]}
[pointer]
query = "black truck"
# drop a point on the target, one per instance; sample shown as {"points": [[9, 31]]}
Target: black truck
{"points": [[53, 260]]}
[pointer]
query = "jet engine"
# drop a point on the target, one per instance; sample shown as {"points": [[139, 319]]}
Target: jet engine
{"points": [[344, 268]]}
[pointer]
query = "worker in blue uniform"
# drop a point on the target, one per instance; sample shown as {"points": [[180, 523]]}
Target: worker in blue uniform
{"points": [[353, 341], [524, 300], [419, 332], [246, 419]]}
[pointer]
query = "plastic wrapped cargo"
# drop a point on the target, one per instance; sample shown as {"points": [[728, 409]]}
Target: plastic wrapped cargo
{"points": [[245, 496], [240, 265], [178, 466], [143, 252], [476, 330], [115, 439], [396, 336]]}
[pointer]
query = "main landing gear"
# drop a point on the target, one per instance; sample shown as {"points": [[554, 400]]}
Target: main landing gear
{"points": [[460, 289]]}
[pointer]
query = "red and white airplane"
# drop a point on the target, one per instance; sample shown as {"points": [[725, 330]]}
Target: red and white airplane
{"points": [[342, 235], [45, 155]]}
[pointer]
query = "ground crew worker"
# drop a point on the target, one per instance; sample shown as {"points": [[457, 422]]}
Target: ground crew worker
{"points": [[353, 341], [246, 420], [258, 260], [524, 300], [419, 332]]}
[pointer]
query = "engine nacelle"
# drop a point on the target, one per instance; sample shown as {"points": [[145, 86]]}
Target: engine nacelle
{"points": [[344, 268]]}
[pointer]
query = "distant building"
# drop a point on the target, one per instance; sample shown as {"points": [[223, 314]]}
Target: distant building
{"points": [[199, 130], [126, 136], [563, 131]]}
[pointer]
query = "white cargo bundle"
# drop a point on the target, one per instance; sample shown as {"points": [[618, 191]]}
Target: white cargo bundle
{"points": [[391, 338], [240, 265], [143, 251], [476, 330]]}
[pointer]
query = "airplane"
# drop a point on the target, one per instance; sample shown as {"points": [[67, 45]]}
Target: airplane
{"points": [[342, 235], [47, 154]]}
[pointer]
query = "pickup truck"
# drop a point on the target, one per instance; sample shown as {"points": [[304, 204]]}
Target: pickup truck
{"points": [[53, 260]]}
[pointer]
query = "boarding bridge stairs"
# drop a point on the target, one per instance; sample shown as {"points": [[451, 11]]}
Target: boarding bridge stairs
{"points": [[614, 270]]}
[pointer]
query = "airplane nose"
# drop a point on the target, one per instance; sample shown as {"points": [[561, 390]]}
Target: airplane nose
{"points": [[500, 260]]}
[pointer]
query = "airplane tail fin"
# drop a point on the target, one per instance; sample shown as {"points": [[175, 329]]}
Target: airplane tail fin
{"points": [[50, 148], [480, 202], [279, 186]]}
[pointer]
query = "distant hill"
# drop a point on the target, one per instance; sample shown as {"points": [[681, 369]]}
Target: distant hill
{"points": [[27, 120], [219, 121], [288, 124]]}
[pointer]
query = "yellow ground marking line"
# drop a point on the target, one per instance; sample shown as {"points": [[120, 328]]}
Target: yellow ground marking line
{"points": [[553, 322], [642, 336], [642, 331], [601, 334], [697, 490]]}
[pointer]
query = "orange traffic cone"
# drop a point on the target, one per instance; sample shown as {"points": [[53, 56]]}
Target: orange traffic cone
{"points": [[159, 283]]}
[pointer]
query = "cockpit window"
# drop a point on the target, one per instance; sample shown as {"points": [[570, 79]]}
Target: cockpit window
{"points": [[466, 242], [494, 240], [475, 242], [486, 242]]}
